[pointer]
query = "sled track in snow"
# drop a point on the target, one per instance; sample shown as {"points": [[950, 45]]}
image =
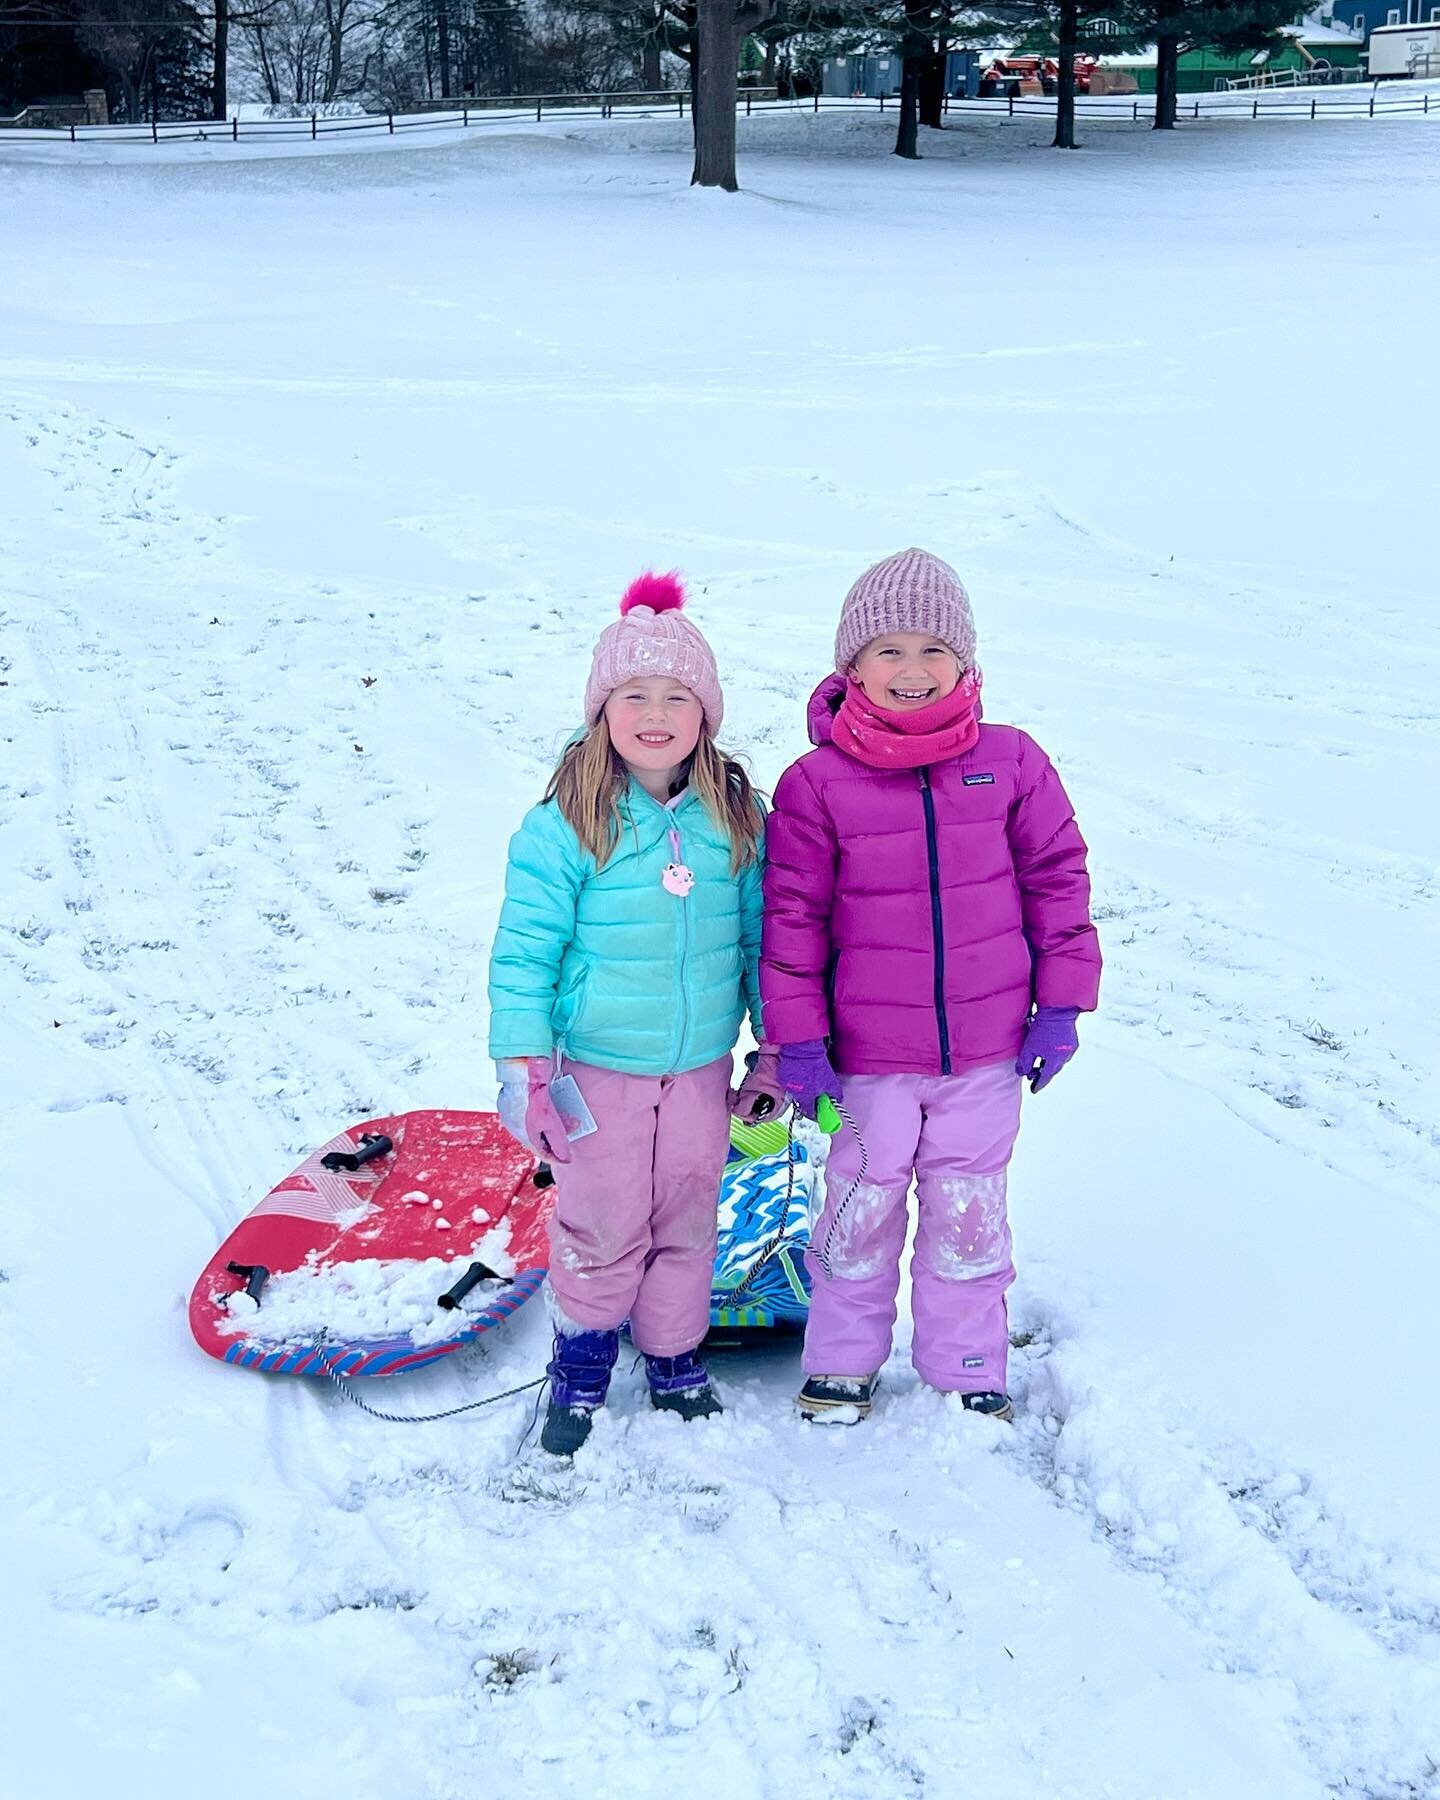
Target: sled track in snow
{"points": [[1249, 1552]]}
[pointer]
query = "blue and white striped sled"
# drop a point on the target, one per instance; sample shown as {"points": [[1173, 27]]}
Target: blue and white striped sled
{"points": [[765, 1201]]}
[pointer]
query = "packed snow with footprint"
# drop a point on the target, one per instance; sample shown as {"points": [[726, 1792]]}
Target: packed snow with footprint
{"points": [[321, 473]]}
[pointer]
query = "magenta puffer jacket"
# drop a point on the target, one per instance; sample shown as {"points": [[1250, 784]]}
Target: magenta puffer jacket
{"points": [[914, 916]]}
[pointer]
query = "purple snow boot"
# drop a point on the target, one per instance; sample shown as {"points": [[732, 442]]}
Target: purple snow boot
{"points": [[579, 1381], [681, 1384]]}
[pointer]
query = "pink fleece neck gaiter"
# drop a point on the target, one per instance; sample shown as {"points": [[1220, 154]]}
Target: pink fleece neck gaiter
{"points": [[909, 740]]}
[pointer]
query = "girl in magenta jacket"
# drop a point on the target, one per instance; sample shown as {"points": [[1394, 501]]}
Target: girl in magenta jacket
{"points": [[927, 946]]}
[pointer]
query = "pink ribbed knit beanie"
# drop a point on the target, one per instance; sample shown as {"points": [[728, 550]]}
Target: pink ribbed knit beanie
{"points": [[910, 591], [652, 636]]}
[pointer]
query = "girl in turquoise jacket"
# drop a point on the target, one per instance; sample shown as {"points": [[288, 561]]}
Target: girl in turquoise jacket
{"points": [[626, 957]]}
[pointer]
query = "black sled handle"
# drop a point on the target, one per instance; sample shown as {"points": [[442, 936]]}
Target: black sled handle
{"points": [[473, 1276], [374, 1144], [254, 1275]]}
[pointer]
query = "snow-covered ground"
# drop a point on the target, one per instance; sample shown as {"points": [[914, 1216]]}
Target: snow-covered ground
{"points": [[320, 474]]}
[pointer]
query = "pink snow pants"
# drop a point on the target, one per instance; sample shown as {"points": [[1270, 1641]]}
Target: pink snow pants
{"points": [[954, 1134], [633, 1231]]}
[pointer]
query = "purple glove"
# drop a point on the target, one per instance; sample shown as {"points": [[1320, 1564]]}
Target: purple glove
{"points": [[805, 1074], [526, 1110], [1050, 1041], [760, 1093]]}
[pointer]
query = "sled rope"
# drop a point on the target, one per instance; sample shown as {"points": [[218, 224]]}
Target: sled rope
{"points": [[822, 1250], [450, 1412]]}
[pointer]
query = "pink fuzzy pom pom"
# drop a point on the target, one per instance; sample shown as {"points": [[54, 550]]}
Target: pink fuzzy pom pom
{"points": [[661, 593]]}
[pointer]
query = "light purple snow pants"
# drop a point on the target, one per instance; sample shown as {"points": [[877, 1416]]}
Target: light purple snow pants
{"points": [[954, 1133], [633, 1232]]}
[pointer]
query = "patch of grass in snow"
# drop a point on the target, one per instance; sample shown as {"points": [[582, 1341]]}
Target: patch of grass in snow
{"points": [[507, 1669]]}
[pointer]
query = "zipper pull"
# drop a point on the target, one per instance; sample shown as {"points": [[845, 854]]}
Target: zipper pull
{"points": [[676, 878]]}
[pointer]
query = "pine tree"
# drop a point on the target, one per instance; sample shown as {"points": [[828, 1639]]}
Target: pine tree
{"points": [[1178, 25]]}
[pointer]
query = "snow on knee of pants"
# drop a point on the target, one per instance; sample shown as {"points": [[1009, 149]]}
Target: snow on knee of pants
{"points": [[853, 1248], [972, 1238]]}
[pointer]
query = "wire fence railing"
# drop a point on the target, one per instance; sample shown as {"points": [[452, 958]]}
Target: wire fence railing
{"points": [[1319, 75], [1380, 100]]}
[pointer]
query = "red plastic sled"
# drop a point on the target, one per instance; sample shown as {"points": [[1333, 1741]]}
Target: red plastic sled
{"points": [[364, 1195]]}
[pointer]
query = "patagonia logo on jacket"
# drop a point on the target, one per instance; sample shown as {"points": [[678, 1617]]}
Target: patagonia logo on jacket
{"points": [[978, 780]]}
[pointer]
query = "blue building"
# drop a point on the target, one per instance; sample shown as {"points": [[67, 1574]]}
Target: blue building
{"points": [[1365, 15], [873, 74]]}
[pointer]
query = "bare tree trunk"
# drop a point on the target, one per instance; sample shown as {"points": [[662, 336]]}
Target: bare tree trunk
{"points": [[717, 49], [908, 133], [1167, 80], [442, 32], [220, 78], [767, 74], [932, 87], [650, 75], [916, 46], [335, 24], [267, 67], [1065, 98]]}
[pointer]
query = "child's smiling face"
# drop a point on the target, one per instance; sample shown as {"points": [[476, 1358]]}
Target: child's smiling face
{"points": [[654, 723], [906, 670]]}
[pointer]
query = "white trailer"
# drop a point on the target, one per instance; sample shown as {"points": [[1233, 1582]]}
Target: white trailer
{"points": [[1405, 49]]}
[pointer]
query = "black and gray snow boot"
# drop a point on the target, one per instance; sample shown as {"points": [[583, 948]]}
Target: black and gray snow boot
{"points": [[681, 1384], [828, 1396], [991, 1405], [579, 1381]]}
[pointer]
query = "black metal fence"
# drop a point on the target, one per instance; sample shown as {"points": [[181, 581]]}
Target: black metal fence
{"points": [[1380, 100]]}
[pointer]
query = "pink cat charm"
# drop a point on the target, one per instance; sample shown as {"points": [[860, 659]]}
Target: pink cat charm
{"points": [[677, 879]]}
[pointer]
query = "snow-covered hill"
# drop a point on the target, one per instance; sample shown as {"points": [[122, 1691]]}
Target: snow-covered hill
{"points": [[320, 475]]}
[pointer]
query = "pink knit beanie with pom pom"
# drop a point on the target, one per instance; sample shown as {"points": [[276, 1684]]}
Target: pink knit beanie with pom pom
{"points": [[652, 636]]}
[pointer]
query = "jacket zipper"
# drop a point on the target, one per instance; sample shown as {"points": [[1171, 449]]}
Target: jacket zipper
{"points": [[937, 923], [684, 952]]}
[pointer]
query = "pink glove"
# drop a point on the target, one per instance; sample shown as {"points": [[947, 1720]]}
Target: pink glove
{"points": [[526, 1110], [543, 1125], [760, 1094]]}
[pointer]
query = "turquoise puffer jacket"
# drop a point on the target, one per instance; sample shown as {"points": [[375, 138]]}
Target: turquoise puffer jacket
{"points": [[608, 966]]}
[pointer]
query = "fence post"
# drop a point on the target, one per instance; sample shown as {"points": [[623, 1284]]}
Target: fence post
{"points": [[817, 100], [1255, 107], [235, 129], [680, 96], [391, 118], [1010, 101], [1134, 112], [747, 103], [312, 128], [1372, 103], [464, 118], [539, 106], [882, 102], [72, 131], [1312, 106], [1197, 109]]}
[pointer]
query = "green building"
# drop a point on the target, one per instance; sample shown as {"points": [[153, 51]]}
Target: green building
{"points": [[1313, 48]]}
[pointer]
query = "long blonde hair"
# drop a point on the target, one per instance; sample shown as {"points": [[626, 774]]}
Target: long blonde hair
{"points": [[590, 780]]}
